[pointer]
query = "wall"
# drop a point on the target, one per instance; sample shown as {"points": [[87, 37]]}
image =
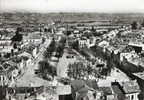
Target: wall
{"points": [[135, 96]]}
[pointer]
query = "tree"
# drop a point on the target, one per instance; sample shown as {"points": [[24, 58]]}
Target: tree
{"points": [[134, 25], [142, 24], [17, 37], [93, 29], [79, 70], [15, 46], [50, 49], [43, 65], [52, 46], [46, 54], [43, 40], [76, 70], [45, 68], [75, 45], [89, 69], [60, 47], [59, 51]]}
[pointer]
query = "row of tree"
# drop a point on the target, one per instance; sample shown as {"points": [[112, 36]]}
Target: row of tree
{"points": [[80, 71], [55, 47], [60, 47], [48, 53], [46, 70]]}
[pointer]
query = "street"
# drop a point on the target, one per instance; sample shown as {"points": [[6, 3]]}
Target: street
{"points": [[29, 78]]}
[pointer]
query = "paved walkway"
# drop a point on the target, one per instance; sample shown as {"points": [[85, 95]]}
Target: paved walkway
{"points": [[62, 66]]}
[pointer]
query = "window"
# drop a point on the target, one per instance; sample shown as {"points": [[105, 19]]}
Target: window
{"points": [[132, 97], [0, 77]]}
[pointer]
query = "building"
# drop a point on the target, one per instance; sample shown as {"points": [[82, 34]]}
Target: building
{"points": [[86, 90], [33, 38], [64, 92], [107, 93], [131, 89], [117, 91], [83, 42], [139, 76]]}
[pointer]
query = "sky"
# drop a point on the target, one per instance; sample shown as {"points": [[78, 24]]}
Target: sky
{"points": [[72, 5]]}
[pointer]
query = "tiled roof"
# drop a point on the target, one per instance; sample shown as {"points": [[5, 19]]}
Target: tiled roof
{"points": [[83, 90], [131, 87], [25, 54], [116, 89], [62, 90], [81, 86], [77, 84], [11, 63], [139, 75], [92, 84], [106, 90], [32, 36]]}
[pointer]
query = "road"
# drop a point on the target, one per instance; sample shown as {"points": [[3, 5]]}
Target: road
{"points": [[29, 78], [63, 63]]}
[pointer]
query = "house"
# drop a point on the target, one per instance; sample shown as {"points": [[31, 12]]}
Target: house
{"points": [[138, 47], [107, 93], [131, 89], [128, 90], [35, 51], [32, 49], [83, 42], [26, 57], [33, 38], [3, 77], [64, 92], [21, 93], [5, 46], [132, 62], [112, 34], [82, 90], [77, 33], [70, 41], [91, 42], [139, 76], [117, 91], [31, 93], [58, 36], [9, 71], [2, 92], [104, 44]]}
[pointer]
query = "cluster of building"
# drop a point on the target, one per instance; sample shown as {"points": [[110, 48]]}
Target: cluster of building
{"points": [[96, 45], [14, 61], [121, 46]]}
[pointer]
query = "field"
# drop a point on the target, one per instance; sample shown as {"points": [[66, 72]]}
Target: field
{"points": [[66, 17]]}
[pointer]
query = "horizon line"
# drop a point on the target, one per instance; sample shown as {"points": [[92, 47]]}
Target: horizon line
{"points": [[100, 12]]}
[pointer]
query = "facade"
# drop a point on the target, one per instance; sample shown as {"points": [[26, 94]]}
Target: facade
{"points": [[83, 42], [132, 90]]}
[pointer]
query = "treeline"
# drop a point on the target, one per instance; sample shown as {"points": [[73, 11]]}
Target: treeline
{"points": [[46, 70], [137, 25], [55, 47]]}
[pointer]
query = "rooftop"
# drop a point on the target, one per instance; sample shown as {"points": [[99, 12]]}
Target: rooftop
{"points": [[117, 88], [131, 87], [139, 75], [106, 90]]}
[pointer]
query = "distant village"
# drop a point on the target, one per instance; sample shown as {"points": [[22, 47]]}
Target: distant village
{"points": [[71, 60]]}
